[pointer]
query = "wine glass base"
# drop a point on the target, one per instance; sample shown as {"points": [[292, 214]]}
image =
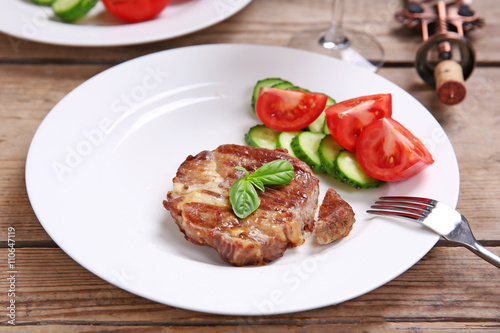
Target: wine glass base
{"points": [[359, 49]]}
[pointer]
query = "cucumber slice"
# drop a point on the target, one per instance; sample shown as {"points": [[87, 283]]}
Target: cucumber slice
{"points": [[328, 152], [319, 124], [330, 101], [262, 136], [283, 85], [326, 130], [349, 171], [43, 2], [298, 88], [72, 10], [285, 141], [305, 146], [269, 82]]}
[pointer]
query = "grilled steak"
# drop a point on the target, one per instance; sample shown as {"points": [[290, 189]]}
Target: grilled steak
{"points": [[199, 204], [335, 219]]}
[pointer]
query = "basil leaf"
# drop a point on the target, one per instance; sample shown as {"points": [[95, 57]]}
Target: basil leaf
{"points": [[243, 197], [277, 172], [257, 183], [239, 167]]}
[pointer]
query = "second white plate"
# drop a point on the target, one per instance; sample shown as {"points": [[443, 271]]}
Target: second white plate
{"points": [[27, 20]]}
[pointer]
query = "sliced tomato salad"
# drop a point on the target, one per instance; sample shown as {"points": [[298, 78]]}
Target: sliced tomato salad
{"points": [[288, 110], [386, 150], [346, 120]]}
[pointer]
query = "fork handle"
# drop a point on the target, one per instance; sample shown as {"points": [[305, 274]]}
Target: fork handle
{"points": [[485, 254]]}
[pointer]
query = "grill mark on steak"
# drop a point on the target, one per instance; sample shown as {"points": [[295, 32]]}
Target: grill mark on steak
{"points": [[199, 204]]}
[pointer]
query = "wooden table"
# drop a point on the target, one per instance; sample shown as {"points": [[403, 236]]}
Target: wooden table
{"points": [[449, 290]]}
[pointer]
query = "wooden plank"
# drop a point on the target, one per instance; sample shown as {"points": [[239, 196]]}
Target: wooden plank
{"points": [[471, 127], [447, 285], [449, 290], [273, 22], [372, 327]]}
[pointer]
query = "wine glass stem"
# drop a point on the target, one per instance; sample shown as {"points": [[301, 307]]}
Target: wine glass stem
{"points": [[334, 38]]}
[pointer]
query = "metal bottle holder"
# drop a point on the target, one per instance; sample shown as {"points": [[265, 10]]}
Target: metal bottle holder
{"points": [[446, 58]]}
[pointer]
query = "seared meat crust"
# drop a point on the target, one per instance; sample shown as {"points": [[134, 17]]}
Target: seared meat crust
{"points": [[199, 204], [335, 219]]}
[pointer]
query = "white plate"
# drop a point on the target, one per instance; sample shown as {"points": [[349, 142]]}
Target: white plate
{"points": [[27, 20], [103, 160]]}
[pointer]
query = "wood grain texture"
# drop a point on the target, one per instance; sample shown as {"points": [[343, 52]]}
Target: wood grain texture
{"points": [[449, 290], [373, 327], [52, 289], [471, 127], [273, 22]]}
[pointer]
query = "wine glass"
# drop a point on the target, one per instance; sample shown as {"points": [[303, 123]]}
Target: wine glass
{"points": [[352, 46]]}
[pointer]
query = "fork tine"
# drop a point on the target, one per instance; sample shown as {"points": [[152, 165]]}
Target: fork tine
{"points": [[413, 206], [408, 216], [410, 200], [407, 207], [402, 209]]}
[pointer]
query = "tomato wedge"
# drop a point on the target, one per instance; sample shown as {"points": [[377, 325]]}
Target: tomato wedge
{"points": [[288, 110], [388, 151], [346, 119], [133, 11]]}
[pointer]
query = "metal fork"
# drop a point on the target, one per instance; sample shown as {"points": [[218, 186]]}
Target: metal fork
{"points": [[442, 219]]}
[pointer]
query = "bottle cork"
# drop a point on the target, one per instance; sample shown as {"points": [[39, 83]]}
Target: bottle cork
{"points": [[450, 83]]}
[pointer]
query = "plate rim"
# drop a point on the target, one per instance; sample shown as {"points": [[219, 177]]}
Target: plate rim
{"points": [[194, 308]]}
